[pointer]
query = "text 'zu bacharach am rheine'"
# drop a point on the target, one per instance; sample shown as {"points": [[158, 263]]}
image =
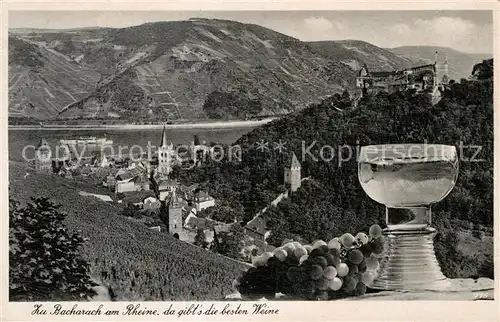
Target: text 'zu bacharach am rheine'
{"points": [[172, 310]]}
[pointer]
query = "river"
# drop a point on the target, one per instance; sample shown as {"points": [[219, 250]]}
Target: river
{"points": [[19, 139]]}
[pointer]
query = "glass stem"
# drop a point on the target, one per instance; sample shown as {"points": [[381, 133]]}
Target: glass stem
{"points": [[408, 218]]}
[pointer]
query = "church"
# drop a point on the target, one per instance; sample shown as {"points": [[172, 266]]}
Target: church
{"points": [[166, 155]]}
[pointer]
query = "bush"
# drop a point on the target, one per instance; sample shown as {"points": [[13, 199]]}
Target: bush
{"points": [[44, 262]]}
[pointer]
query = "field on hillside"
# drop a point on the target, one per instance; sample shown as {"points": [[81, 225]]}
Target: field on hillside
{"points": [[137, 263]]}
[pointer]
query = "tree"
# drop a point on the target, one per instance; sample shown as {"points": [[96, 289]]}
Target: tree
{"points": [[230, 243], [200, 239], [44, 262]]}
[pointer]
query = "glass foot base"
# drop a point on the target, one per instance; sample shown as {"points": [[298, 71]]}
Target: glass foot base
{"points": [[409, 262]]}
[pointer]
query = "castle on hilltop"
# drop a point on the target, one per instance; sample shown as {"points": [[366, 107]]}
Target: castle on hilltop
{"points": [[420, 78]]}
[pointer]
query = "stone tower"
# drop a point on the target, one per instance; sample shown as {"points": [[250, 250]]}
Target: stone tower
{"points": [[292, 174], [165, 155], [446, 77], [174, 215], [43, 157]]}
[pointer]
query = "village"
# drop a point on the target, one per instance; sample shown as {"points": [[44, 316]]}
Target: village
{"points": [[146, 192]]}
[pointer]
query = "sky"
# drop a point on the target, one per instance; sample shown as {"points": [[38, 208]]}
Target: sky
{"points": [[467, 31]]}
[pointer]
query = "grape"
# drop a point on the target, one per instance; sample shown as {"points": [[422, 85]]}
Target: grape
{"points": [[355, 256], [273, 263], [375, 231], [290, 248], [322, 284], [347, 240], [291, 260], [280, 254], [321, 296], [336, 261], [334, 243], [329, 272], [367, 278], [360, 288], [361, 239], [372, 263], [258, 282], [300, 251], [366, 249], [317, 252], [335, 252], [362, 266], [342, 269], [329, 259], [293, 274], [353, 269], [323, 249], [318, 243], [320, 260], [316, 272], [335, 284], [378, 245], [309, 288], [349, 284], [307, 263]]}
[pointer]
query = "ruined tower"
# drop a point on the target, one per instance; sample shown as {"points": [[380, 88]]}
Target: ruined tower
{"points": [[174, 215]]}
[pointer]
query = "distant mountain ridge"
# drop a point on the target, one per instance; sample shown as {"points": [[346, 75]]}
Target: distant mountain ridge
{"points": [[460, 63], [356, 53], [183, 70], [169, 70]]}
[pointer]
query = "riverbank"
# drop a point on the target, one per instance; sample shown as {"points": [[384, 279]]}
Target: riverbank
{"points": [[201, 125]]}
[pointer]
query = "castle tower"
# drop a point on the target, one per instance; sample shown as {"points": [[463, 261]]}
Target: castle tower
{"points": [[292, 174], [165, 154], [446, 77], [174, 215], [43, 157]]}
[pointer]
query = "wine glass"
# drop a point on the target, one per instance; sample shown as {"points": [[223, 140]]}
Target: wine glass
{"points": [[408, 179]]}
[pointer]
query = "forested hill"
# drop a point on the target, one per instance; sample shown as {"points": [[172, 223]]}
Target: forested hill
{"points": [[334, 202]]}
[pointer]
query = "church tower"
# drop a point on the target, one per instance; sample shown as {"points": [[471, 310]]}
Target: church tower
{"points": [[43, 157], [165, 155], [292, 174], [174, 215]]}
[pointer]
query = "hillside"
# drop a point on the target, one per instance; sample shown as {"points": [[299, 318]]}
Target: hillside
{"points": [[169, 69], [459, 63], [356, 53], [42, 82], [136, 262]]}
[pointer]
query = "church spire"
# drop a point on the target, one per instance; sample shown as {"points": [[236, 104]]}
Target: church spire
{"points": [[295, 162], [164, 137]]}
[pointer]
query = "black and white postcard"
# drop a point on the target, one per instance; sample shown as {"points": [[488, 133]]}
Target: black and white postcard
{"points": [[238, 162]]}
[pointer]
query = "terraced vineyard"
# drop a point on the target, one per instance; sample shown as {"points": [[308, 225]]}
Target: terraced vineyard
{"points": [[137, 263], [47, 86]]}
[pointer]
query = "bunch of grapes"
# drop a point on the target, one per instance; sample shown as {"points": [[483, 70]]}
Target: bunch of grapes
{"points": [[344, 266]]}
